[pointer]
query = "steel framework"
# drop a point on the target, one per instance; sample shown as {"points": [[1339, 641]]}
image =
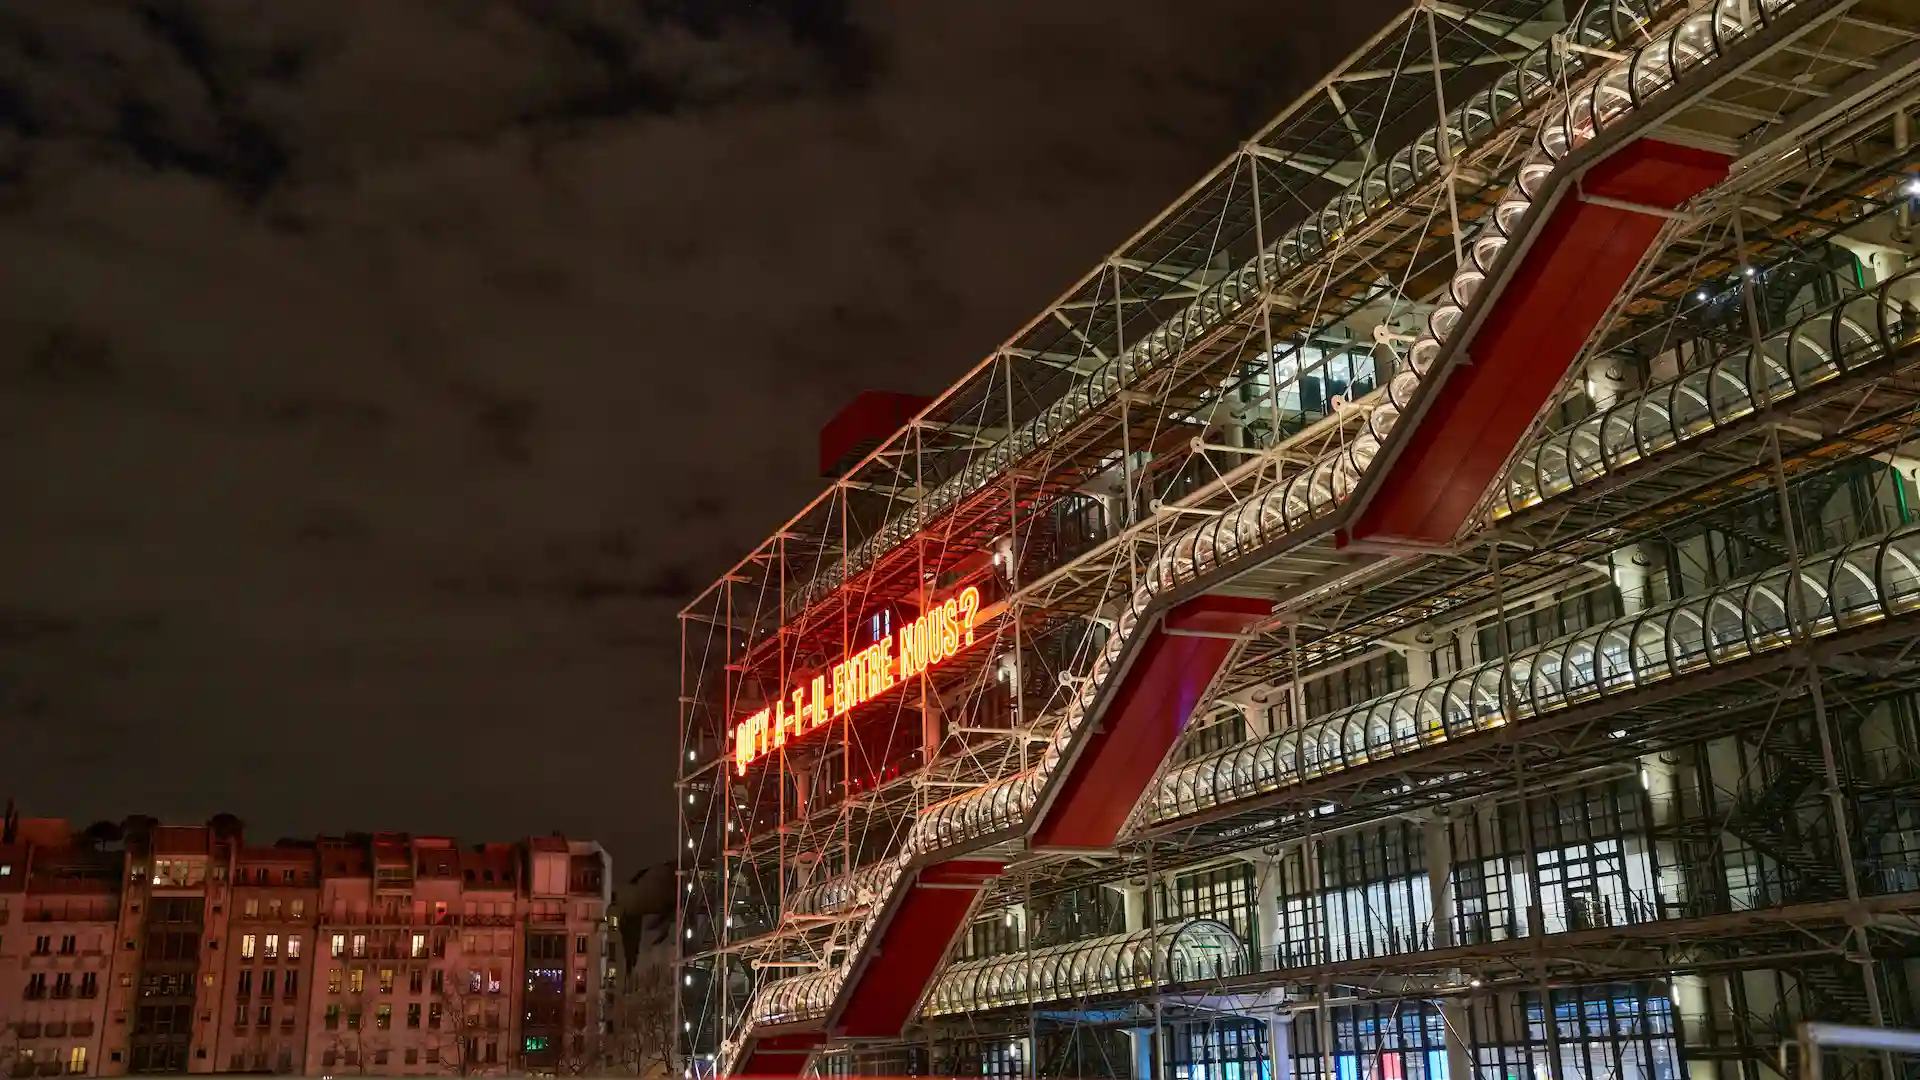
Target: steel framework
{"points": [[1313, 569]]}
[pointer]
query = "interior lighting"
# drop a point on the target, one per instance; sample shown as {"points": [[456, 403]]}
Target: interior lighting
{"points": [[1913, 186], [1700, 296]]}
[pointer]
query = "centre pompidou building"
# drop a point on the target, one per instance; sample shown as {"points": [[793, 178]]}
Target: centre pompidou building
{"points": [[1440, 601]]}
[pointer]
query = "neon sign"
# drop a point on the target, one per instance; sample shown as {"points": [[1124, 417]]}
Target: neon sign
{"points": [[921, 645]]}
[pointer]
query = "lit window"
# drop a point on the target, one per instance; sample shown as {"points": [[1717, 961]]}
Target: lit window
{"points": [[493, 980], [297, 909], [333, 980], [339, 944], [273, 909], [386, 980], [383, 1017], [359, 945], [246, 946], [252, 908], [419, 946], [6, 869], [77, 1061], [357, 981], [272, 949], [293, 946]]}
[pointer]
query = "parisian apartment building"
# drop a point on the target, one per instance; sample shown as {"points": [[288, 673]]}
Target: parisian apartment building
{"points": [[145, 947]]}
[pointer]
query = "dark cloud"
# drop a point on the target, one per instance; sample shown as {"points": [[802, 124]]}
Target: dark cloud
{"points": [[381, 377]]}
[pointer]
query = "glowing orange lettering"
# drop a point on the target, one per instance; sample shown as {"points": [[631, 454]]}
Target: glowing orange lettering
{"points": [[938, 634]]}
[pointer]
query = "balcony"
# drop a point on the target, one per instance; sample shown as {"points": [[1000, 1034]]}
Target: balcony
{"points": [[28, 1029], [80, 1029], [56, 1029]]}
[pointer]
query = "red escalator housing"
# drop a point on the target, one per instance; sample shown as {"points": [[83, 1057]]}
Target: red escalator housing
{"points": [[1139, 726], [907, 951], [780, 1055], [1582, 256]]}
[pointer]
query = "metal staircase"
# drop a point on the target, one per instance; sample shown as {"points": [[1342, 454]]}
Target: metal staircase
{"points": [[1773, 818]]}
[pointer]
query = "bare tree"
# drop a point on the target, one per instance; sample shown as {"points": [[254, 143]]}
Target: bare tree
{"points": [[462, 1037], [642, 1042], [347, 1044], [578, 1058]]}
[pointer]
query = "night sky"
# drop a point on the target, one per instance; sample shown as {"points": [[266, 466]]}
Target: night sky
{"points": [[379, 377]]}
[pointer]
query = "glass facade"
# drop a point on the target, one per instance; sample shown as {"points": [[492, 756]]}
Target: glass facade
{"points": [[1322, 862]]}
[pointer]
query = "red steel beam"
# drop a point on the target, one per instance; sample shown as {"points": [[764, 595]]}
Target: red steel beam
{"points": [[1134, 734], [780, 1055], [1578, 262], [908, 950]]}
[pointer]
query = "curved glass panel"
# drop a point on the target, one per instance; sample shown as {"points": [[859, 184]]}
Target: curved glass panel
{"points": [[1739, 383], [1861, 583], [1190, 951]]}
